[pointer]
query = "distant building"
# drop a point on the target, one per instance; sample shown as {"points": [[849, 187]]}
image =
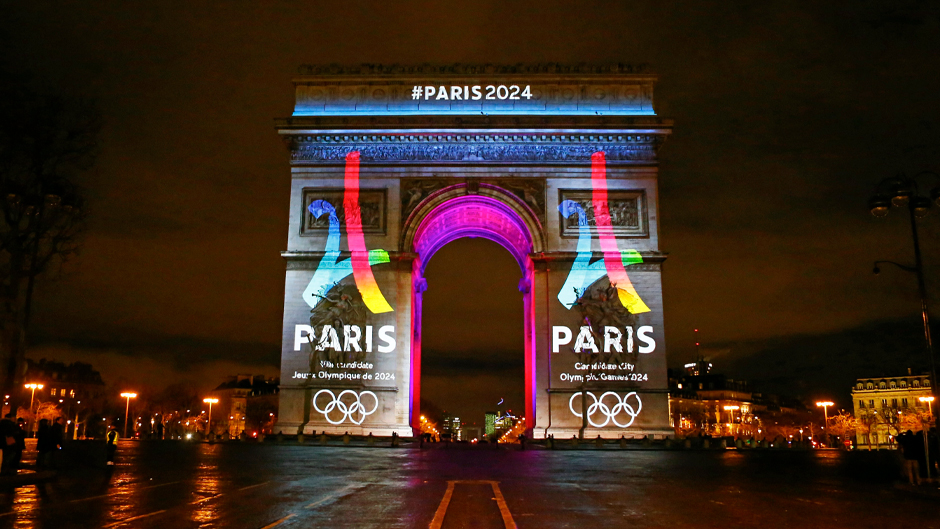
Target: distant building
{"points": [[888, 406], [63, 383], [504, 422], [702, 402], [235, 396], [469, 433], [450, 427], [489, 423]]}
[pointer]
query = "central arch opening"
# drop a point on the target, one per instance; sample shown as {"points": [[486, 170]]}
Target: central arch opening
{"points": [[493, 215], [472, 358]]}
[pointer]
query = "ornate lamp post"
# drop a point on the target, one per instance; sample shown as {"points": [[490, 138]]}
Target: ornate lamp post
{"points": [[210, 402], [127, 410], [901, 191]]}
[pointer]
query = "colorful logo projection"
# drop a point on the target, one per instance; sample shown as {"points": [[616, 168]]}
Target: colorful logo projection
{"points": [[584, 273], [331, 270]]}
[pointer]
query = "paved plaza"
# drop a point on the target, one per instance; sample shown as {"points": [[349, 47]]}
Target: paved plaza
{"points": [[248, 485]]}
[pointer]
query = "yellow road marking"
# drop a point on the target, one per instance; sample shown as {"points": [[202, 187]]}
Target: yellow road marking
{"points": [[255, 485], [341, 492], [122, 522], [438, 520], [270, 525], [118, 491], [503, 508], [442, 508], [207, 498]]}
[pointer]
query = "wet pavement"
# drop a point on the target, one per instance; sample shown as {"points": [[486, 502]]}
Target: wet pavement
{"points": [[248, 485]]}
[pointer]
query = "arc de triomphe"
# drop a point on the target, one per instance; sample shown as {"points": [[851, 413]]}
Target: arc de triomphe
{"points": [[556, 164]]}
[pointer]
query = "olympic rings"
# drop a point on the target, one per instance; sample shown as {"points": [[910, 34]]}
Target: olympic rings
{"points": [[610, 412], [350, 410]]}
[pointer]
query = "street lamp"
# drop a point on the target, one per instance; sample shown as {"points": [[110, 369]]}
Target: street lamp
{"points": [[929, 402], [825, 406], [902, 191], [33, 387], [128, 396], [210, 402]]}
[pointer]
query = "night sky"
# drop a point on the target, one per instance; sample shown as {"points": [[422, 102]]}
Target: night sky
{"points": [[786, 115]]}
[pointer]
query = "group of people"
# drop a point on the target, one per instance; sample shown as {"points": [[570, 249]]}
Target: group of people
{"points": [[914, 453], [49, 438]]}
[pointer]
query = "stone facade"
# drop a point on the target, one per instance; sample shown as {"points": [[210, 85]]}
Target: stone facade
{"points": [[885, 407], [430, 173]]}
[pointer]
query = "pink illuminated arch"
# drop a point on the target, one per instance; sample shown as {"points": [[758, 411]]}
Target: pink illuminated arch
{"points": [[491, 213]]}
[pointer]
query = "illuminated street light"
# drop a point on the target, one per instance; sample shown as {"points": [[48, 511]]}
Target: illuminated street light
{"points": [[33, 387], [210, 401], [825, 406], [902, 191], [128, 396]]}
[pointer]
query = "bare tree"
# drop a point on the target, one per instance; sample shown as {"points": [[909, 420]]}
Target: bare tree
{"points": [[866, 423], [46, 142], [843, 425]]}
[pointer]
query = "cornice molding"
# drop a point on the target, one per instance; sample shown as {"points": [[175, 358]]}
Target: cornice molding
{"points": [[475, 148]]}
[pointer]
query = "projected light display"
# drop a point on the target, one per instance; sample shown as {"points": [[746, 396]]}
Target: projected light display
{"points": [[348, 405], [330, 270], [476, 152], [610, 406], [584, 273]]}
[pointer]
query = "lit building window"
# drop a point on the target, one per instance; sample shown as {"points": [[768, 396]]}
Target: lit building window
{"points": [[53, 392]]}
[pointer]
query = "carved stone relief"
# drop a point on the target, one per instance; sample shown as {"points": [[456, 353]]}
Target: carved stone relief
{"points": [[627, 212], [530, 191], [372, 203]]}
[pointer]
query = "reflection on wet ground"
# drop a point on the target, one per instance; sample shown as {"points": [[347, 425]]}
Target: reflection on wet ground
{"points": [[182, 484]]}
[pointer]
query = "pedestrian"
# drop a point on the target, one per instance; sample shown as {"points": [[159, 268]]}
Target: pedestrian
{"points": [[112, 444], [58, 432], [44, 444], [19, 435], [910, 455], [7, 443]]}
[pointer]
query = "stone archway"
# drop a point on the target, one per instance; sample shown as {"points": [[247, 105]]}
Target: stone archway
{"points": [[494, 214], [388, 164]]}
